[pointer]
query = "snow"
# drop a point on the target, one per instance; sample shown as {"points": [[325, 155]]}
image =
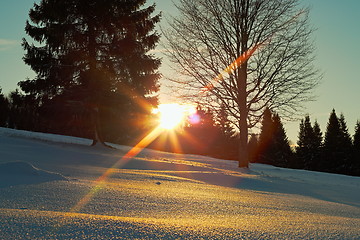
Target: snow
{"points": [[50, 189], [17, 173]]}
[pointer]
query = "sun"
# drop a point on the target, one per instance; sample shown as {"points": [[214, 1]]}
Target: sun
{"points": [[171, 115]]}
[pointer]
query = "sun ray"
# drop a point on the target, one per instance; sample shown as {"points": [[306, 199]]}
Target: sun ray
{"points": [[100, 182]]}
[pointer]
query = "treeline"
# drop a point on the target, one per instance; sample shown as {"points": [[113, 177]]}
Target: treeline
{"points": [[25, 112], [335, 151]]}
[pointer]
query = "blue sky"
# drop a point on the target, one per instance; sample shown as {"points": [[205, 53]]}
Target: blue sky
{"points": [[337, 41]]}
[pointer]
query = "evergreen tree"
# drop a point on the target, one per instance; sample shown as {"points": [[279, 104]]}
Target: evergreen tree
{"points": [[335, 142], [317, 135], [304, 148], [227, 141], [309, 145], [317, 146], [274, 145], [345, 143], [4, 110], [280, 148], [224, 123], [356, 151], [253, 147], [23, 112], [202, 137], [92, 60], [266, 133]]}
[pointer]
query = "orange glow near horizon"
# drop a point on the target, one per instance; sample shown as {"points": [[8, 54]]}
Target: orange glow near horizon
{"points": [[172, 115]]}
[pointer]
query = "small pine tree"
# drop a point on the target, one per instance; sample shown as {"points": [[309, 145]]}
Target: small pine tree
{"points": [[204, 135], [345, 145], [309, 144], [273, 144], [266, 133], [253, 147], [4, 110], [317, 145], [303, 150], [337, 143], [224, 124], [282, 154]]}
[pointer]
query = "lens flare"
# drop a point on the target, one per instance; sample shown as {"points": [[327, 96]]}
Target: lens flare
{"points": [[171, 115]]}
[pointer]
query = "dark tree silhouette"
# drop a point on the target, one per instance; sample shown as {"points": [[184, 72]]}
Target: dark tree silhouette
{"points": [[253, 147], [245, 55], [267, 131], [280, 151], [317, 145], [308, 144], [337, 143], [92, 59], [23, 111], [4, 110], [273, 147]]}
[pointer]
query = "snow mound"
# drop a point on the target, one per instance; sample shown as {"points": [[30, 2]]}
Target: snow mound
{"points": [[19, 173]]}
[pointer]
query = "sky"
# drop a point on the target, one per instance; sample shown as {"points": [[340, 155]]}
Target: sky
{"points": [[337, 50]]}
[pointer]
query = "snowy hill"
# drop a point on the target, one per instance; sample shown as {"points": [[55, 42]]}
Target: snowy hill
{"points": [[58, 187]]}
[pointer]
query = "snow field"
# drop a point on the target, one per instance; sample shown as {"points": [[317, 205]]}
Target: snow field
{"points": [[163, 196]]}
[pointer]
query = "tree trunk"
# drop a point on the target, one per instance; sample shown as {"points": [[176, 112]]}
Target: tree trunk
{"points": [[243, 143], [97, 137]]}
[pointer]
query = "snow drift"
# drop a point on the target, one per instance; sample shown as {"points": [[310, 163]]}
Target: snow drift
{"points": [[157, 195]]}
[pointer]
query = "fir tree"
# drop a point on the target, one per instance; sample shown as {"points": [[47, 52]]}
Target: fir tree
{"points": [[317, 146], [204, 134], [282, 154], [308, 144], [23, 111], [253, 147], [304, 143], [273, 144], [92, 59], [224, 123], [336, 143], [4, 110], [345, 143], [266, 133], [227, 141]]}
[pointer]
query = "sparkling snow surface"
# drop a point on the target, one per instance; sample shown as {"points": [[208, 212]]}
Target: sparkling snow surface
{"points": [[49, 190]]}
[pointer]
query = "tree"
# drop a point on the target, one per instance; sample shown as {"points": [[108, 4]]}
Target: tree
{"points": [[23, 112], [245, 55], [253, 147], [224, 124], [317, 145], [265, 138], [4, 110], [345, 145], [202, 137], [308, 144], [92, 59], [337, 145], [273, 144]]}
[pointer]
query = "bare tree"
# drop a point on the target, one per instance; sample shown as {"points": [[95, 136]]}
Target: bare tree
{"points": [[244, 55]]}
